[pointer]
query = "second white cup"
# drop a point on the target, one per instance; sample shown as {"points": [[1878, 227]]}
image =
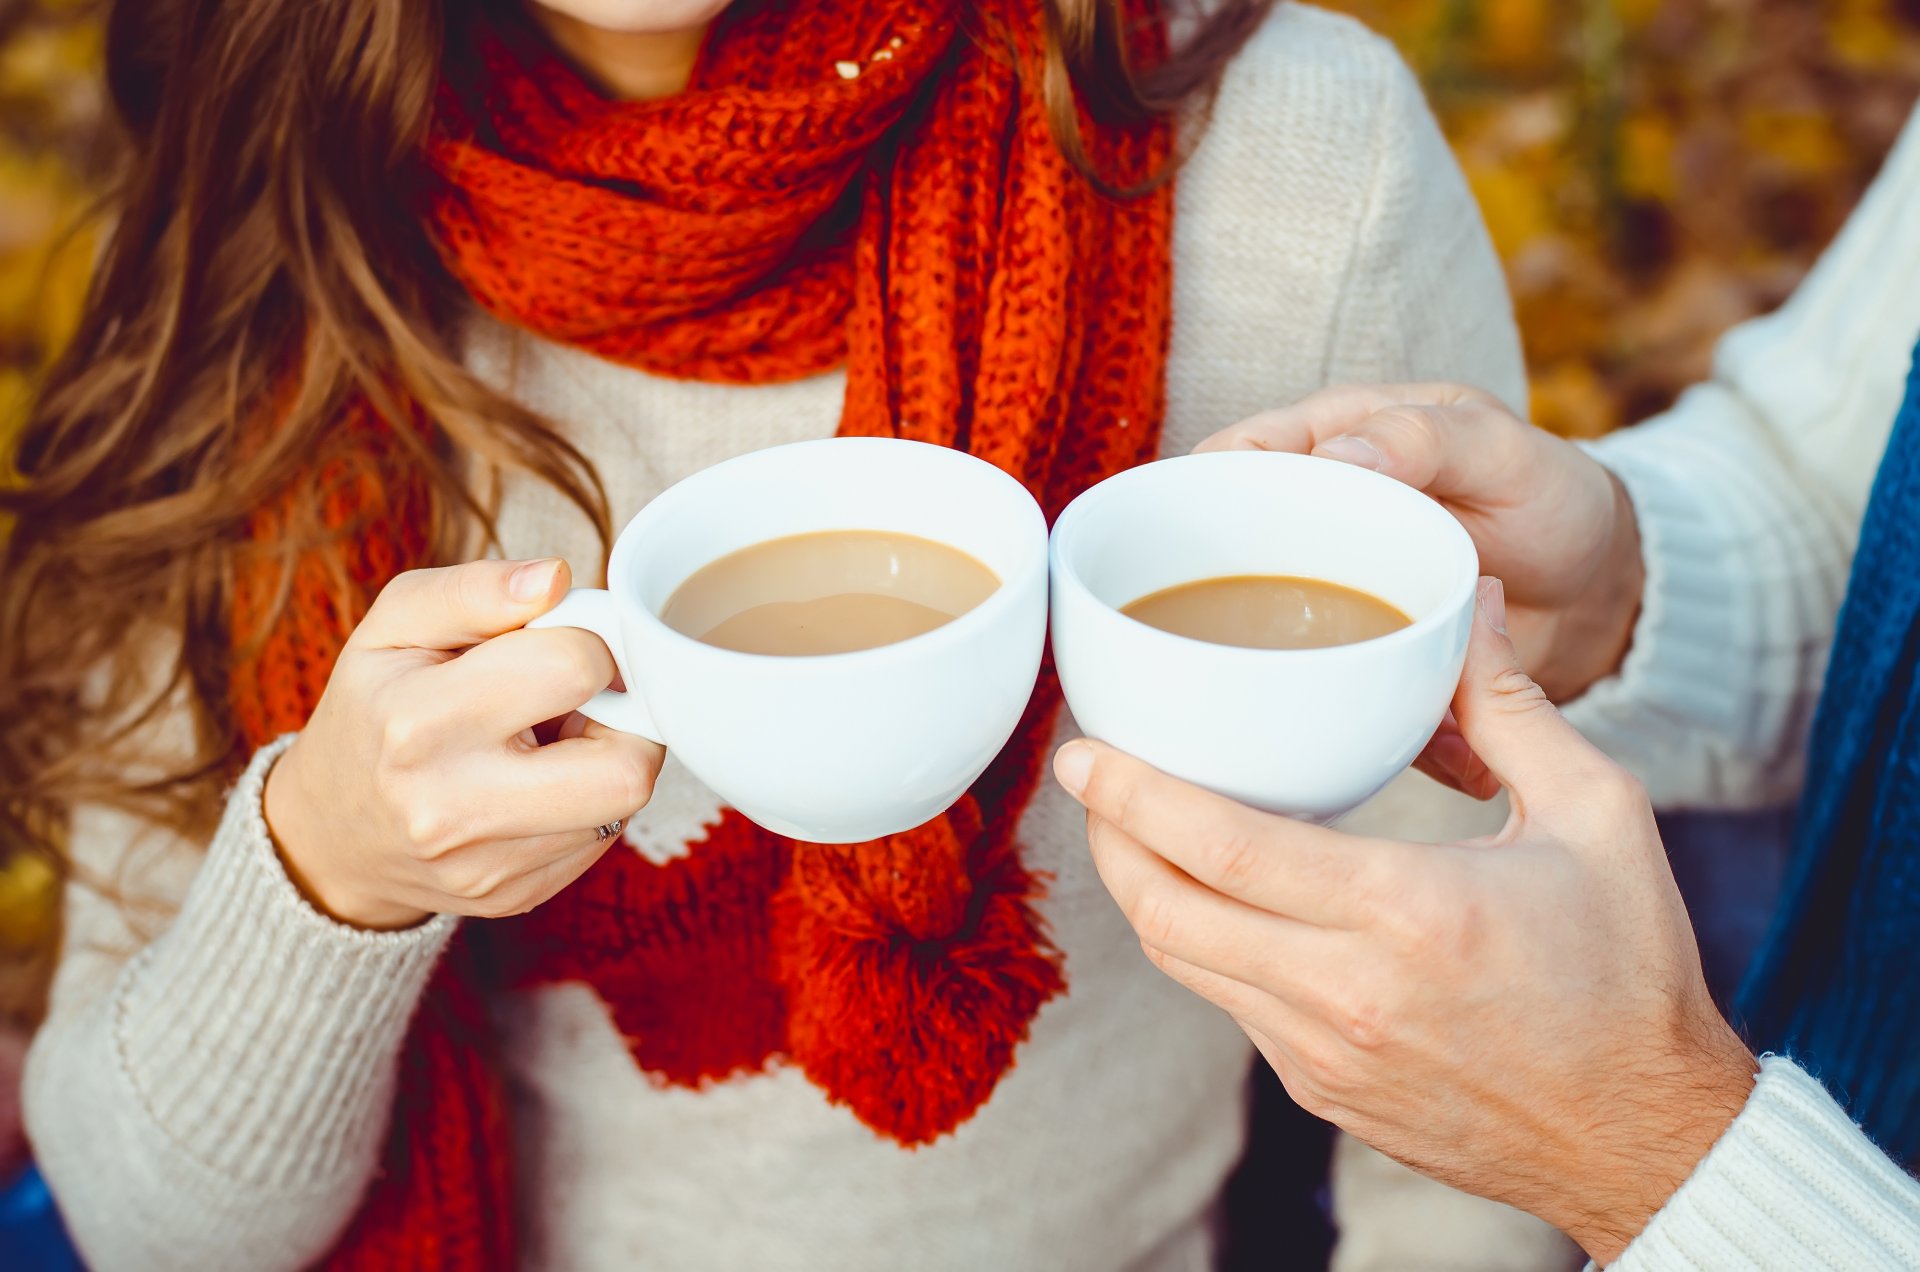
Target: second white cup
{"points": [[1310, 733]]}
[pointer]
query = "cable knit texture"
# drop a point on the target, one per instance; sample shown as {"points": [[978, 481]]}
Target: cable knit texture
{"points": [[1792, 1186], [1105, 1145], [1750, 494]]}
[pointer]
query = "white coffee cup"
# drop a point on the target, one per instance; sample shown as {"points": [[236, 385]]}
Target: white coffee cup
{"points": [[1310, 733], [833, 748]]}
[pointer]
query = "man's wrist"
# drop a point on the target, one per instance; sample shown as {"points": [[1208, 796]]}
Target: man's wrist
{"points": [[1654, 1140]]}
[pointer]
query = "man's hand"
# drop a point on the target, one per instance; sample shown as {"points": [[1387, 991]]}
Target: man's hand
{"points": [[1522, 1016], [1548, 520]]}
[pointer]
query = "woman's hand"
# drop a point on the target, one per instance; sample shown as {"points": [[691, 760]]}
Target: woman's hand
{"points": [[1548, 520], [419, 786], [1522, 1016]]}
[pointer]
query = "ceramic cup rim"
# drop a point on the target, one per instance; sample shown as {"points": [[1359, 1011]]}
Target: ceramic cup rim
{"points": [[1071, 527], [991, 611]]}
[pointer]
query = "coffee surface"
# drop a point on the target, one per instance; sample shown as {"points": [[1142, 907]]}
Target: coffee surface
{"points": [[1268, 611], [831, 592]]}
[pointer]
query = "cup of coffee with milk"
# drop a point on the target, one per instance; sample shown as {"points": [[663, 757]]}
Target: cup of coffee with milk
{"points": [[838, 636], [1283, 630], [835, 636]]}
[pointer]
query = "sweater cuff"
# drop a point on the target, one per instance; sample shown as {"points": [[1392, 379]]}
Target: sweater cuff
{"points": [[1674, 675], [1792, 1184], [261, 1034]]}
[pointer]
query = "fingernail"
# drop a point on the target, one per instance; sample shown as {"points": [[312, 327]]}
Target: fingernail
{"points": [[1072, 765], [1350, 448], [532, 581], [1493, 603]]}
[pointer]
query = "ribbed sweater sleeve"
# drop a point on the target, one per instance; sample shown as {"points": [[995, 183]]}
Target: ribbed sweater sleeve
{"points": [[1749, 494], [218, 1098], [1793, 1186]]}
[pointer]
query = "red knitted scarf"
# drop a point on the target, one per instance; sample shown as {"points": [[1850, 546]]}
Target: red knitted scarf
{"points": [[846, 182]]}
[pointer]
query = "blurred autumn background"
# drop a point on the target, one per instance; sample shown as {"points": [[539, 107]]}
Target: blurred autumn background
{"points": [[1652, 172]]}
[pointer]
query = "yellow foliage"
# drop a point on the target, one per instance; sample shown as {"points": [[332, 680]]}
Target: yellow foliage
{"points": [[1653, 170], [1646, 157], [28, 886]]}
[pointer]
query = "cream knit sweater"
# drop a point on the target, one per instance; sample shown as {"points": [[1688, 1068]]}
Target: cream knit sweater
{"points": [[1750, 494], [213, 1083]]}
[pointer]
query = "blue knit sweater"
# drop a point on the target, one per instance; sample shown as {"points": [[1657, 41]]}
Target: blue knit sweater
{"points": [[1837, 983]]}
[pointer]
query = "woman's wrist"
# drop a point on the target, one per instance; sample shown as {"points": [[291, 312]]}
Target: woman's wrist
{"points": [[287, 809]]}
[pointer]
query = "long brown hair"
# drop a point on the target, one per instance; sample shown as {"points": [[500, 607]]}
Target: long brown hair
{"points": [[267, 259]]}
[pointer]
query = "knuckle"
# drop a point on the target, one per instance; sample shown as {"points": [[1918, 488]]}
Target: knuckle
{"points": [[590, 666], [1609, 794], [503, 903], [1235, 859], [404, 739], [1112, 794], [1364, 1022], [1516, 691], [1155, 916], [1403, 914], [1617, 795], [633, 778], [1449, 933], [1474, 395], [1626, 789], [582, 666], [467, 589], [1419, 426], [401, 589], [1371, 881], [1326, 1063], [474, 883], [429, 828]]}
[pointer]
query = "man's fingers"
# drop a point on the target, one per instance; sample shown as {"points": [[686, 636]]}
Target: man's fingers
{"points": [[1330, 413], [1174, 915], [1508, 721], [456, 606], [1281, 866]]}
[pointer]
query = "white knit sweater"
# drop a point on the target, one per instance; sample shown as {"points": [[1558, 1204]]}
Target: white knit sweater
{"points": [[212, 1085], [1750, 494]]}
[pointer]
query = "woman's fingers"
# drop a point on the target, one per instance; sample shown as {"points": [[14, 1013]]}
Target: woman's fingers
{"points": [[504, 877], [455, 606], [517, 680], [601, 777], [1285, 867]]}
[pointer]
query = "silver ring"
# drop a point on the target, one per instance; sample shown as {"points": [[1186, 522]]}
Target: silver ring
{"points": [[608, 831]]}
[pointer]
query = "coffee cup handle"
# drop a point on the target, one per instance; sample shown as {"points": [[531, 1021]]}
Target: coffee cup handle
{"points": [[591, 609]]}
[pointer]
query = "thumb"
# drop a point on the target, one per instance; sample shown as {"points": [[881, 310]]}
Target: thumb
{"points": [[456, 606], [1508, 720], [1463, 450]]}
